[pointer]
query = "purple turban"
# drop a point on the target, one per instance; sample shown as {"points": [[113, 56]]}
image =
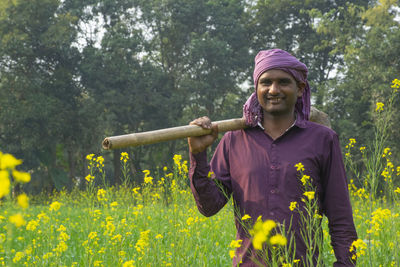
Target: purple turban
{"points": [[280, 60]]}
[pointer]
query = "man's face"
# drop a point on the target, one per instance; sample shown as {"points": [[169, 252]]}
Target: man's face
{"points": [[277, 92]]}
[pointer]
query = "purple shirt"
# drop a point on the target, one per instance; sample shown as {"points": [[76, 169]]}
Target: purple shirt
{"points": [[260, 175]]}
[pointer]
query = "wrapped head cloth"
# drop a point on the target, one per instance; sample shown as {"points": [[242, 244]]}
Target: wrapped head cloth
{"points": [[280, 60]]}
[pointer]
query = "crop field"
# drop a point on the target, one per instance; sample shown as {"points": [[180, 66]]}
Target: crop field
{"points": [[157, 224]]}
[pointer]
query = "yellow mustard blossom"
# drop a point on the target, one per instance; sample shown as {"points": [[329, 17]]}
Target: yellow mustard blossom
{"points": [[159, 236], [114, 204], [143, 242], [55, 206], [299, 166], [309, 194], [124, 157], [236, 243], [17, 220], [210, 174], [231, 253], [260, 232], [136, 190], [293, 205], [246, 217], [8, 161], [90, 156], [23, 201], [362, 149], [4, 184], [379, 106], [395, 84], [397, 190], [22, 177], [359, 247], [101, 195], [148, 180], [32, 225], [304, 179], [89, 178], [278, 239], [18, 256], [165, 168], [100, 162], [128, 263]]}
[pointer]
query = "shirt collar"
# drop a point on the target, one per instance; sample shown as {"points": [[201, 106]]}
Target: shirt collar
{"points": [[299, 122]]}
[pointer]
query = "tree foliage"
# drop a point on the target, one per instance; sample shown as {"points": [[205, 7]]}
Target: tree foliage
{"points": [[73, 72]]}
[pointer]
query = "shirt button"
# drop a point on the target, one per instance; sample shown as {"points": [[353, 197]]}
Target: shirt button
{"points": [[272, 213], [272, 191], [273, 167]]}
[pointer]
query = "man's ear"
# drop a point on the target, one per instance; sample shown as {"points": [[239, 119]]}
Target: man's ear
{"points": [[301, 86]]}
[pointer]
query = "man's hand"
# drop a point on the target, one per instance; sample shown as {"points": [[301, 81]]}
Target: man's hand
{"points": [[200, 143]]}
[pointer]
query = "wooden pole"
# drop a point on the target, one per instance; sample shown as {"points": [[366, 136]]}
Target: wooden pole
{"points": [[152, 137]]}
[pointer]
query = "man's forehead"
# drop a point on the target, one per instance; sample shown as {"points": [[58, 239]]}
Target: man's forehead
{"points": [[276, 74]]}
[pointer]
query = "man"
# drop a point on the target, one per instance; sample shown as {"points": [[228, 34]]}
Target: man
{"points": [[257, 165]]}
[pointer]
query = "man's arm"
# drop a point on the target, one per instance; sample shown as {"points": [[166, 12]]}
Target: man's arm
{"points": [[209, 196], [336, 205]]}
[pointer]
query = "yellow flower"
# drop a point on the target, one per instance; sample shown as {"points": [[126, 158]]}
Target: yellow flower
{"points": [[236, 243], [246, 217], [4, 184], [379, 106], [114, 204], [136, 190], [397, 190], [89, 178], [165, 168], [278, 239], [90, 156], [128, 263], [8, 161], [146, 173], [395, 84], [299, 166], [362, 149], [292, 205], [17, 220], [231, 253], [18, 256], [210, 174], [92, 235], [55, 206], [159, 236], [148, 180], [124, 157], [309, 194], [101, 195], [23, 201], [359, 247], [261, 231], [22, 177], [304, 179]]}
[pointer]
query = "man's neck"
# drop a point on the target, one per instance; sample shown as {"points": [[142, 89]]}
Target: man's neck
{"points": [[275, 126]]}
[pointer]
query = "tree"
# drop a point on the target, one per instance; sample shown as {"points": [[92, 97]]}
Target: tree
{"points": [[38, 88]]}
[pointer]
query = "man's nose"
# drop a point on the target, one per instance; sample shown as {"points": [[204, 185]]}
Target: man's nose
{"points": [[274, 88]]}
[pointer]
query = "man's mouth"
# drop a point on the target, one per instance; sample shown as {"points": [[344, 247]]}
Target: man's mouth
{"points": [[274, 99]]}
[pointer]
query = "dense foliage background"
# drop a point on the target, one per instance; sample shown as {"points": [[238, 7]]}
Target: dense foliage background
{"points": [[73, 72]]}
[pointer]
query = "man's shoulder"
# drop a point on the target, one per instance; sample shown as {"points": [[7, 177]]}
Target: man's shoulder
{"points": [[313, 129]]}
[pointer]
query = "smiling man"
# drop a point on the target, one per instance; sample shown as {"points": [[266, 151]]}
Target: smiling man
{"points": [[256, 166]]}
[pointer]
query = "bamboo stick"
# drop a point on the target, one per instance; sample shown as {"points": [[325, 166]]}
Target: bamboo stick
{"points": [[168, 134], [151, 137]]}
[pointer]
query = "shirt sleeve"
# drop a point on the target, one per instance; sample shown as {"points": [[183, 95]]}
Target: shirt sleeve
{"points": [[336, 204], [210, 193]]}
